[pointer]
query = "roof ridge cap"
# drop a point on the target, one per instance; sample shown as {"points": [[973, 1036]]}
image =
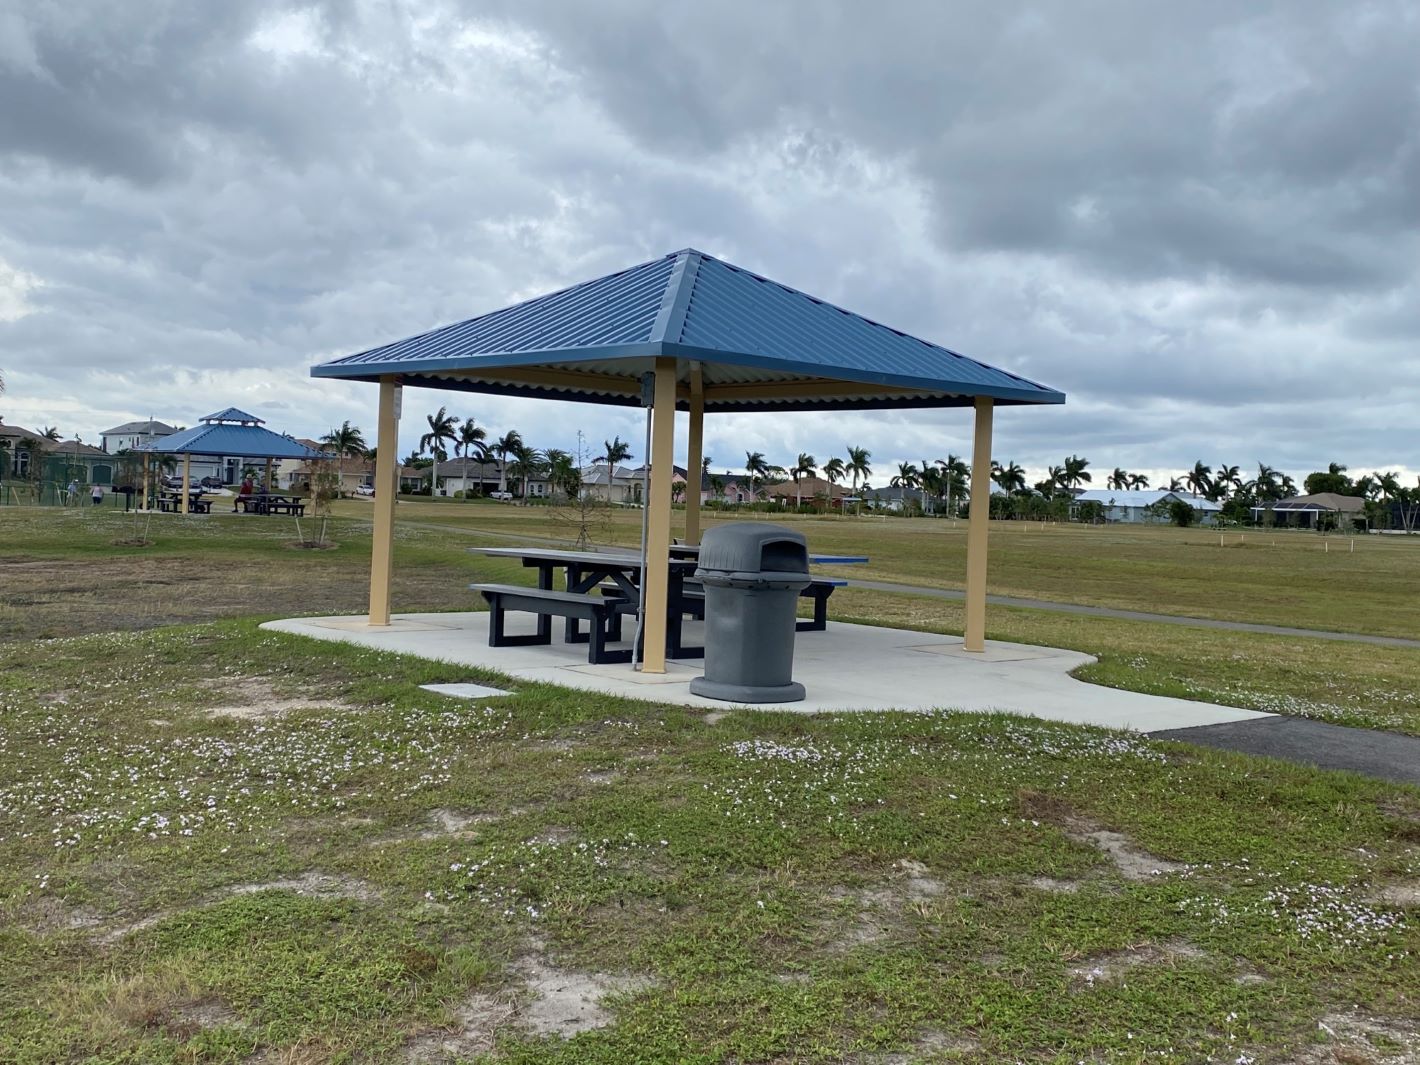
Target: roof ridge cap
{"points": [[676, 299]]}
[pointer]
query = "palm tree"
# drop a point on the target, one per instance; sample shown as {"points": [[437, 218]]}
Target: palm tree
{"points": [[613, 451], [956, 473], [1198, 479], [527, 463], [834, 470], [505, 445], [858, 467], [346, 442], [1267, 486], [471, 439], [441, 428], [1011, 477], [1138, 480], [1288, 486], [1388, 484], [49, 432], [1226, 477], [1055, 477], [804, 466], [562, 472], [1175, 484], [1118, 480], [1075, 472], [757, 469]]}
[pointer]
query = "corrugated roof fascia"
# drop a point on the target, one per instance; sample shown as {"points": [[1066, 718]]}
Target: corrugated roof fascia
{"points": [[371, 371], [1034, 394]]}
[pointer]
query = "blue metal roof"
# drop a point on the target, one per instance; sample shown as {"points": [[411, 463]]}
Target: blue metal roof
{"points": [[236, 441], [232, 414], [755, 339]]}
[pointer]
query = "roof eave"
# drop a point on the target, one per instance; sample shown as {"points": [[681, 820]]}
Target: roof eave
{"points": [[372, 370]]}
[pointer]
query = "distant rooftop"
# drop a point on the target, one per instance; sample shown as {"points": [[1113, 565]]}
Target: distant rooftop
{"points": [[150, 428]]}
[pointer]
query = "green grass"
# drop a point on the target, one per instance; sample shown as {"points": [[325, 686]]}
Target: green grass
{"points": [[772, 887], [60, 574], [1272, 577]]}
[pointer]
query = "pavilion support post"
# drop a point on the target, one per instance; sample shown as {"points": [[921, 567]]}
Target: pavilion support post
{"points": [[144, 504], [693, 458], [978, 527], [658, 526], [382, 550], [268, 476], [186, 481]]}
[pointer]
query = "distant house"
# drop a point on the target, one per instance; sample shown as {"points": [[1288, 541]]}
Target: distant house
{"points": [[615, 484], [1142, 506], [17, 445], [1323, 509], [808, 489], [353, 473], [894, 497], [61, 461], [478, 476], [134, 434]]}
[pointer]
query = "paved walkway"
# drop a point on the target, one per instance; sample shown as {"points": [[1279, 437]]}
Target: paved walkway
{"points": [[1139, 615], [1376, 754], [848, 667]]}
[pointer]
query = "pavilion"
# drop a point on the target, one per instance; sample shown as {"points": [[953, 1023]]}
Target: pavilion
{"points": [[229, 433], [691, 332]]}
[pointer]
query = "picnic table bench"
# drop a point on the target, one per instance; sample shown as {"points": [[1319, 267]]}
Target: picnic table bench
{"points": [[601, 612]]}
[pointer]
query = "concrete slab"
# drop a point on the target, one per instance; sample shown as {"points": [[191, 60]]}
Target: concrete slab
{"points": [[465, 691], [848, 667]]}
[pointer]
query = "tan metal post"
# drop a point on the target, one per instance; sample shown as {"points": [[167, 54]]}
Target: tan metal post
{"points": [[658, 528], [186, 480], [978, 527], [145, 483], [693, 455], [268, 476], [382, 548]]}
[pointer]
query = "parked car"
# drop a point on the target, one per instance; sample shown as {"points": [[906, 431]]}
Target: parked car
{"points": [[505, 496], [365, 490]]}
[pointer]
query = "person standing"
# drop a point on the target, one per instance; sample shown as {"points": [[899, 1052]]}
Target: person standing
{"points": [[71, 494], [97, 494]]}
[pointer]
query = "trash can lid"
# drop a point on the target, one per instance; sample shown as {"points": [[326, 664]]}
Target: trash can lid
{"points": [[744, 547]]}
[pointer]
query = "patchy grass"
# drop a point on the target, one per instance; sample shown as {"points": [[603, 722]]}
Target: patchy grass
{"points": [[377, 873], [1281, 577], [61, 575]]}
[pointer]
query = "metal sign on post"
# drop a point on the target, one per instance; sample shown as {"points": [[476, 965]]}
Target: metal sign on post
{"points": [[398, 402]]}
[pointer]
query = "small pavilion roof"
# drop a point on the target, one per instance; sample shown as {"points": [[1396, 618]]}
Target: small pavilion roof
{"points": [[760, 344], [232, 414], [231, 440]]}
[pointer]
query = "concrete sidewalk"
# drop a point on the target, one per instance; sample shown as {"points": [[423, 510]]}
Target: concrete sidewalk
{"points": [[847, 667]]}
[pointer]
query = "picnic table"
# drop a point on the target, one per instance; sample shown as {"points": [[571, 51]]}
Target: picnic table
{"points": [[616, 575], [170, 502], [819, 588], [271, 503]]}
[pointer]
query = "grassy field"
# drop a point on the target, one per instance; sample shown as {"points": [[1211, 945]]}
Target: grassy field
{"points": [[1281, 578], [219, 844], [60, 575]]}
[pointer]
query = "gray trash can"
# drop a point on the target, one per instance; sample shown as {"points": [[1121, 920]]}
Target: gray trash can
{"points": [[753, 573]]}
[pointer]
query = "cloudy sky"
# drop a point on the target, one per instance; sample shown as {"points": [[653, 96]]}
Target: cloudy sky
{"points": [[1202, 220]]}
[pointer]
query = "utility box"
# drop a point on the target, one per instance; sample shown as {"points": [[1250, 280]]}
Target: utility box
{"points": [[753, 573]]}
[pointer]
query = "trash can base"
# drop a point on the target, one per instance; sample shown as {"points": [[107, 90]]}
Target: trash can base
{"points": [[792, 692]]}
